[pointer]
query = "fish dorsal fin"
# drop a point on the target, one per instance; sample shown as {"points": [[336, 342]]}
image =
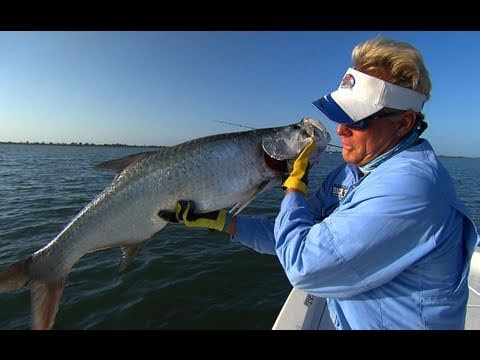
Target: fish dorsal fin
{"points": [[129, 252], [118, 165]]}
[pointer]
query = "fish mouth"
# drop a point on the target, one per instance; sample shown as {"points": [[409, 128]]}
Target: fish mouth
{"points": [[317, 131], [287, 143], [281, 148], [280, 166]]}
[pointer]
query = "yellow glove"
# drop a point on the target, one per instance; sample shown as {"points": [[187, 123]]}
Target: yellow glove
{"points": [[298, 178], [184, 214]]}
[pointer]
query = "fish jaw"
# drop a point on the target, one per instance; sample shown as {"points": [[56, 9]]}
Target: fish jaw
{"points": [[317, 131], [287, 142], [320, 135]]}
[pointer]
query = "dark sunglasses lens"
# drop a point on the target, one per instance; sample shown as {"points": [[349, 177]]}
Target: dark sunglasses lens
{"points": [[359, 125], [362, 124]]}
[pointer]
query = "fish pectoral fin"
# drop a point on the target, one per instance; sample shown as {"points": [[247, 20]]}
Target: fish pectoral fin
{"points": [[242, 205], [45, 299], [129, 252]]}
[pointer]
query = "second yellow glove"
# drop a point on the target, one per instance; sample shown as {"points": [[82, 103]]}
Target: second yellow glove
{"points": [[184, 213]]}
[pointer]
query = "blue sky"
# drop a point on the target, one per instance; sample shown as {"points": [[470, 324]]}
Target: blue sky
{"points": [[166, 87]]}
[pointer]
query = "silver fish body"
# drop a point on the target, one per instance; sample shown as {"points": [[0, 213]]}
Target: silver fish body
{"points": [[214, 172]]}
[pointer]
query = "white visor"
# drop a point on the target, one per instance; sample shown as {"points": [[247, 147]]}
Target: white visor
{"points": [[361, 95]]}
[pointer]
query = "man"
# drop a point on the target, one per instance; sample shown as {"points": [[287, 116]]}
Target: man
{"points": [[385, 239]]}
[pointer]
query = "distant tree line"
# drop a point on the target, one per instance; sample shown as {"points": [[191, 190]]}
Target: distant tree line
{"points": [[73, 144]]}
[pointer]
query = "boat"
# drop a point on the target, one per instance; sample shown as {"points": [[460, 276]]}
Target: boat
{"points": [[302, 311]]}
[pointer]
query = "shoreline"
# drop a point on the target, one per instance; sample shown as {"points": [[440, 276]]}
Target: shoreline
{"points": [[75, 144]]}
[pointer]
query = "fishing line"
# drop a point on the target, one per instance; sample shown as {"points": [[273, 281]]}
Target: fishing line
{"points": [[229, 123], [252, 128]]}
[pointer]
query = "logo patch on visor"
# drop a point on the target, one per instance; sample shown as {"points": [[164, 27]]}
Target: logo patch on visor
{"points": [[348, 82]]}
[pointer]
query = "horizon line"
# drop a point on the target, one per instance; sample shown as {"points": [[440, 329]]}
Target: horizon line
{"points": [[157, 146], [74, 143]]}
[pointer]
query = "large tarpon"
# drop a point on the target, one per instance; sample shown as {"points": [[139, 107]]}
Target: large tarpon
{"points": [[216, 172]]}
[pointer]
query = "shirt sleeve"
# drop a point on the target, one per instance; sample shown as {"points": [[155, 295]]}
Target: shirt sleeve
{"points": [[255, 233], [319, 206], [315, 202], [361, 245]]}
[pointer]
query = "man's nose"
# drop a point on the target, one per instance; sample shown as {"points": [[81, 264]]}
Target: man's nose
{"points": [[343, 130]]}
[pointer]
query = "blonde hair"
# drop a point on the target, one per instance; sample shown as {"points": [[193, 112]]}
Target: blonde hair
{"points": [[403, 62]]}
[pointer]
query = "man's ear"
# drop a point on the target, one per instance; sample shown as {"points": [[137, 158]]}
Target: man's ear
{"points": [[407, 122]]}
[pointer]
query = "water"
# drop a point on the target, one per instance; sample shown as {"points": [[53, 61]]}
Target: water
{"points": [[183, 278]]}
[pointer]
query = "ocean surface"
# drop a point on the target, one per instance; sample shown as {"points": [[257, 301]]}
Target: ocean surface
{"points": [[186, 279]]}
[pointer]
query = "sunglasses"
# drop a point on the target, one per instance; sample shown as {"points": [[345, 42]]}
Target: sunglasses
{"points": [[362, 124]]}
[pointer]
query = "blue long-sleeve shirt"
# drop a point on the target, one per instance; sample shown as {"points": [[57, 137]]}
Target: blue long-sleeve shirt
{"points": [[390, 250]]}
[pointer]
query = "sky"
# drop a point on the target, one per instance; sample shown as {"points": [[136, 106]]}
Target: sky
{"points": [[167, 87]]}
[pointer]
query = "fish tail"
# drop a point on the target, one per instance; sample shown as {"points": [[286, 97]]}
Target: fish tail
{"points": [[45, 297], [14, 277]]}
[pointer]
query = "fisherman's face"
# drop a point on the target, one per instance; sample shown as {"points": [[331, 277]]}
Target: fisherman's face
{"points": [[360, 146]]}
